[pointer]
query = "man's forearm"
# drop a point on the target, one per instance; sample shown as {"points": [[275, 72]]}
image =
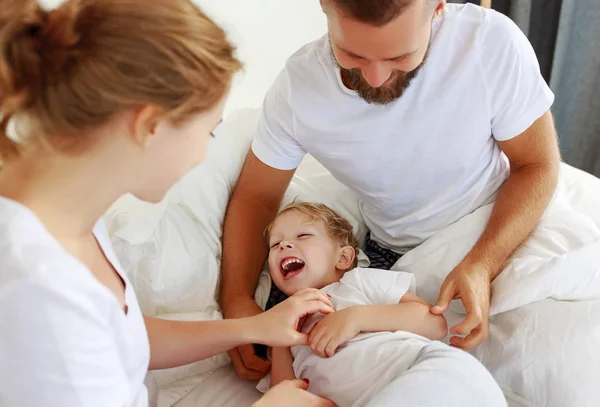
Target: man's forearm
{"points": [[519, 207], [244, 251], [178, 343]]}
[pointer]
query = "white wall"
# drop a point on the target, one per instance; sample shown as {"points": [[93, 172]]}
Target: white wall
{"points": [[266, 33]]}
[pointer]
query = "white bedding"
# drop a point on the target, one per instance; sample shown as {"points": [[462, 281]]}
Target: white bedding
{"points": [[545, 327], [526, 350], [223, 388], [171, 252]]}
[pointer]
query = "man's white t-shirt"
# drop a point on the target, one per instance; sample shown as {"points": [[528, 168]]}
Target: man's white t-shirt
{"points": [[64, 338], [428, 159], [369, 361]]}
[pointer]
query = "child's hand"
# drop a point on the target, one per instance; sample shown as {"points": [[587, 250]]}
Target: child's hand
{"points": [[333, 331]]}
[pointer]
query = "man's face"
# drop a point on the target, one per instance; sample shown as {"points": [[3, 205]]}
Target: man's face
{"points": [[380, 62]]}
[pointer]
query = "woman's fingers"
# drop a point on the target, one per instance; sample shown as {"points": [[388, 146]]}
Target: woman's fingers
{"points": [[314, 306], [308, 294]]}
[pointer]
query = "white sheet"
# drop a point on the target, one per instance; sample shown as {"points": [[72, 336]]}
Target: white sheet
{"points": [[526, 351], [544, 340], [222, 389], [225, 389]]}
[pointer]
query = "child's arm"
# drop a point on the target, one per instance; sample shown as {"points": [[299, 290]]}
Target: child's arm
{"points": [[411, 314], [282, 366]]}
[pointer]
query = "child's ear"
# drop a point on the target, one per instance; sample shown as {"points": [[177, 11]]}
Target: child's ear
{"points": [[346, 258]]}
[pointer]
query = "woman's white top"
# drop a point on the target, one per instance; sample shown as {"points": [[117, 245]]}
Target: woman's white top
{"points": [[65, 339]]}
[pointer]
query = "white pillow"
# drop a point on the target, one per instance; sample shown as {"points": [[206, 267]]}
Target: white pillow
{"points": [[582, 191], [171, 251]]}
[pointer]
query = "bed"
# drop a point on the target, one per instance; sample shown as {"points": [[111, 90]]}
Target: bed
{"points": [[171, 250]]}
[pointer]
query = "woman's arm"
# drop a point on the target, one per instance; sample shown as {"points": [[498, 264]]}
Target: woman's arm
{"points": [[282, 366], [177, 343]]}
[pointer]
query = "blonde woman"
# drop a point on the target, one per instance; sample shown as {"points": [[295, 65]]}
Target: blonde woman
{"points": [[100, 98]]}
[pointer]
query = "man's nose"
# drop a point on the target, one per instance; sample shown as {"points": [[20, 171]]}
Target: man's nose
{"points": [[376, 74]]}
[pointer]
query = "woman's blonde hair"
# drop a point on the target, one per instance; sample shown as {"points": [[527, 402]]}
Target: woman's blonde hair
{"points": [[338, 227], [72, 68]]}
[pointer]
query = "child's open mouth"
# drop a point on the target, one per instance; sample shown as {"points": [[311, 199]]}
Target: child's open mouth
{"points": [[291, 267]]}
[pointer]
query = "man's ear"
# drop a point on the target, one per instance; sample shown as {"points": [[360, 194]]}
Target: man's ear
{"points": [[346, 258], [143, 124]]}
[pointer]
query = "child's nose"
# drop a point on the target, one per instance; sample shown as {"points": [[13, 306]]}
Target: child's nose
{"points": [[286, 245]]}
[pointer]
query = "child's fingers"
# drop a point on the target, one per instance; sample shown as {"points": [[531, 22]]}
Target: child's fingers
{"points": [[332, 347], [322, 345], [313, 332], [315, 336]]}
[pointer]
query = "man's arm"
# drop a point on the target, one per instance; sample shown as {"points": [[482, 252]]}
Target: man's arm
{"points": [[252, 207], [282, 369], [534, 160]]}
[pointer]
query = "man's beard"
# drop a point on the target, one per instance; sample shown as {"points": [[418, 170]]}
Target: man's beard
{"points": [[384, 94]]}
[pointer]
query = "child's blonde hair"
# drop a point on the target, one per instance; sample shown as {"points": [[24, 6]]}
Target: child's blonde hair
{"points": [[338, 227]]}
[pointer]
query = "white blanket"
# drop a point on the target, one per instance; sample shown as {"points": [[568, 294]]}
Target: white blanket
{"points": [[541, 306], [544, 342]]}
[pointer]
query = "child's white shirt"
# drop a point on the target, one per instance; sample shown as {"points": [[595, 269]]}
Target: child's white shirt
{"points": [[363, 366]]}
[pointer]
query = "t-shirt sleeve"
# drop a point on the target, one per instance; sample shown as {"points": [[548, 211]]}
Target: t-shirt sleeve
{"points": [[516, 90], [382, 287], [274, 142], [56, 351]]}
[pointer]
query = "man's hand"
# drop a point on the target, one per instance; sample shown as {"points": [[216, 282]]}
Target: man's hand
{"points": [[471, 284], [333, 331], [292, 393], [245, 362]]}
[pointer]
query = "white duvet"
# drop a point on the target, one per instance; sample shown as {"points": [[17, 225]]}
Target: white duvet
{"points": [[544, 340]]}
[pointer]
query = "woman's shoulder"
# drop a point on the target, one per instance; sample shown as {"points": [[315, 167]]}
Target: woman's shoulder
{"points": [[35, 268]]}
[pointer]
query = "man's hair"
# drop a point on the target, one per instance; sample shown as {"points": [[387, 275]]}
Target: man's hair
{"points": [[338, 227], [374, 12]]}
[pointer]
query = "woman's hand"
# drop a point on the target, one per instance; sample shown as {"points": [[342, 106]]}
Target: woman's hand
{"points": [[333, 331], [292, 393], [279, 326]]}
